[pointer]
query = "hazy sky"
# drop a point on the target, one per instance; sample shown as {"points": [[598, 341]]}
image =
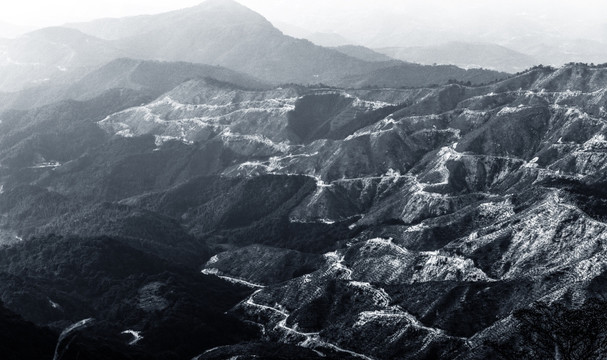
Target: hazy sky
{"points": [[44, 12], [362, 21], [40, 13]]}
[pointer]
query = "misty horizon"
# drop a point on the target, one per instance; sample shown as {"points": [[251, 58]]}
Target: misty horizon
{"points": [[538, 32]]}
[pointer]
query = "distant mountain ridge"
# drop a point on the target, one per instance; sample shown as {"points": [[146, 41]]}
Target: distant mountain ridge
{"points": [[226, 33], [153, 77], [363, 53], [220, 32], [466, 55], [54, 54]]}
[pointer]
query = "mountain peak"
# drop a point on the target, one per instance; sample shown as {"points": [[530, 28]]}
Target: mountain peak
{"points": [[231, 8], [228, 6], [221, 3]]}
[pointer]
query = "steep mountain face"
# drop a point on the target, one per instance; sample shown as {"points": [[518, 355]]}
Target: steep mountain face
{"points": [[229, 34], [347, 223], [327, 39], [120, 28]]}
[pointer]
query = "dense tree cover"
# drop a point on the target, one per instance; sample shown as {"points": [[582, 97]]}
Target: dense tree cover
{"points": [[23, 340], [60, 280], [559, 331]]}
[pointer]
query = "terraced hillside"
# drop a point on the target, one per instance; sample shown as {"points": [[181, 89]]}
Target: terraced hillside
{"points": [[313, 221]]}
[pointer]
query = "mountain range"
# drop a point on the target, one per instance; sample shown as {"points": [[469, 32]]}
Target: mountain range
{"points": [[222, 33], [507, 37], [467, 55], [157, 207]]}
